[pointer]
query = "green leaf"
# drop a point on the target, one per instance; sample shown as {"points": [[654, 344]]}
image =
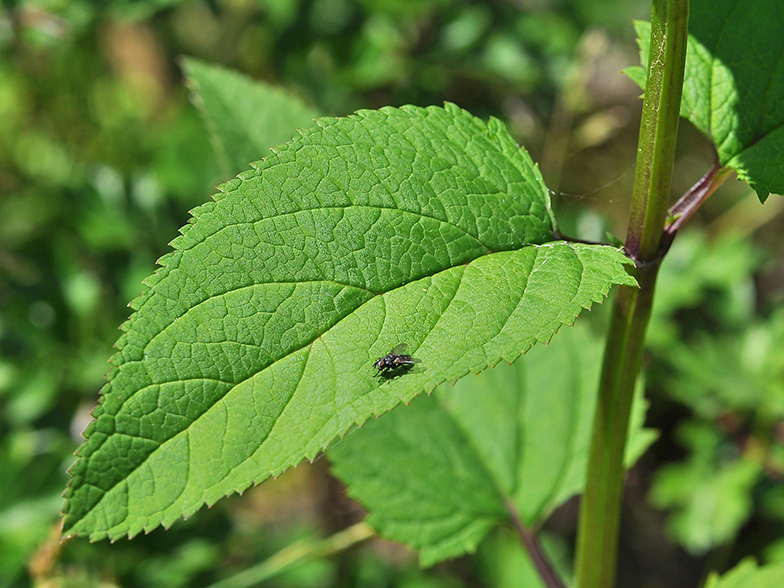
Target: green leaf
{"points": [[440, 473], [733, 85], [245, 118], [253, 347], [748, 575], [710, 500], [503, 563]]}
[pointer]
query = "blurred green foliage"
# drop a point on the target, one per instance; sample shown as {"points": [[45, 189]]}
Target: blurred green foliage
{"points": [[102, 155], [716, 350]]}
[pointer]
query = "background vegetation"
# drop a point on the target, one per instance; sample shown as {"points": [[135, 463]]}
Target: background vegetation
{"points": [[102, 155]]}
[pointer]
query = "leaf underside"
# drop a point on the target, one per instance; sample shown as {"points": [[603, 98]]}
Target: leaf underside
{"points": [[253, 347], [734, 84], [442, 472]]}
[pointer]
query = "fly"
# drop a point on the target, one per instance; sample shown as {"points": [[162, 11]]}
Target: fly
{"points": [[395, 362]]}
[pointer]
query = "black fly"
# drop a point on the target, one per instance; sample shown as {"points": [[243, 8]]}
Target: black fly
{"points": [[395, 362]]}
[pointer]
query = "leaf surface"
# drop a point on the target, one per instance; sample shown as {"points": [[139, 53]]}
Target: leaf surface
{"points": [[734, 85], [440, 473], [245, 118], [254, 346]]}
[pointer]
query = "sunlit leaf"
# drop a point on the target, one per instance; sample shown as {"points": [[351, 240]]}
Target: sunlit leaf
{"points": [[253, 347], [733, 85]]}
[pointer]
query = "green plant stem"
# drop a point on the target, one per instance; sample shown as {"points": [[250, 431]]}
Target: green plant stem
{"points": [[296, 553], [597, 538], [658, 129]]}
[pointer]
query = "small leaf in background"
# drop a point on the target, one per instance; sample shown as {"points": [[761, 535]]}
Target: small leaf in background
{"points": [[245, 118], [709, 494], [748, 575], [439, 474], [741, 371], [722, 359], [714, 273], [733, 85], [254, 345]]}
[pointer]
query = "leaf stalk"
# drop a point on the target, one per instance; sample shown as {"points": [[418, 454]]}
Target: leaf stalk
{"points": [[546, 571], [688, 204]]}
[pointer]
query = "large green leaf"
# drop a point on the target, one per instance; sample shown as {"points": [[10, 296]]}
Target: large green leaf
{"points": [[734, 84], [253, 347], [748, 575], [245, 118], [437, 475]]}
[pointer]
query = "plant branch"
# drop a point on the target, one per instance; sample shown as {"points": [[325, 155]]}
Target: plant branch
{"points": [[658, 128], [539, 559], [688, 204], [296, 553], [597, 537]]}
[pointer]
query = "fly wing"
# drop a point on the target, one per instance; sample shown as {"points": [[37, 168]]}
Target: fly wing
{"points": [[401, 357], [399, 349]]}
